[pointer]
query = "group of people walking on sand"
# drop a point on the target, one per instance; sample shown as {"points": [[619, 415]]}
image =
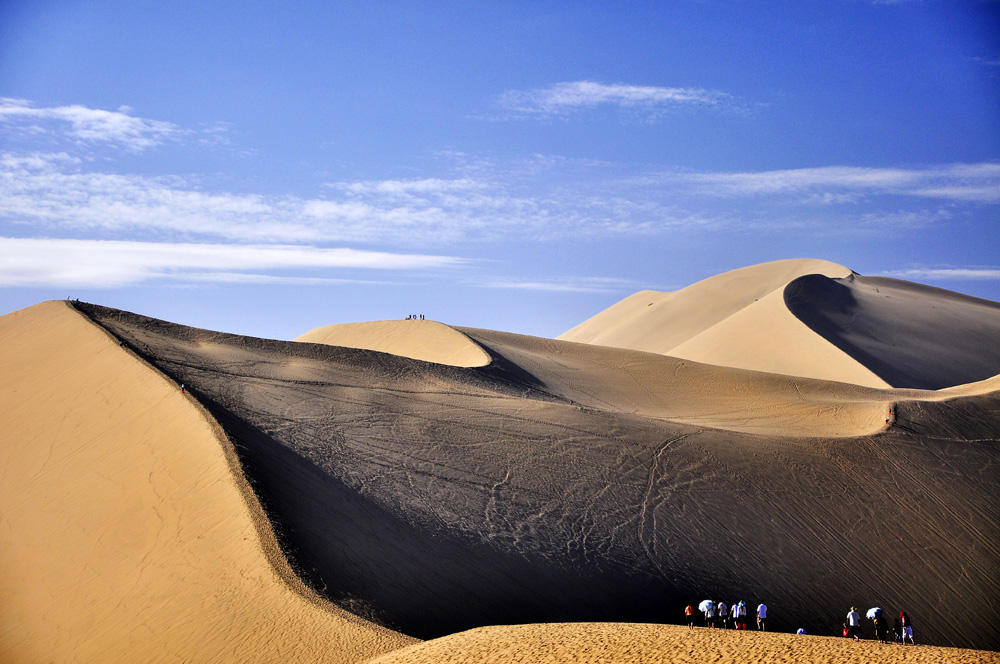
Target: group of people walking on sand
{"points": [[902, 626], [717, 614]]}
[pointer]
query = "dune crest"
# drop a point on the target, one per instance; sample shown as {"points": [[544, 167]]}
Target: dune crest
{"points": [[127, 532], [812, 319], [424, 340]]}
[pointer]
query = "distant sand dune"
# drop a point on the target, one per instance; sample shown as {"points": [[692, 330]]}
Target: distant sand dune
{"points": [[425, 340], [126, 535], [812, 319]]}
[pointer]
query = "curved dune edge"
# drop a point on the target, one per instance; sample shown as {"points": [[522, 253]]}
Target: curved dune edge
{"points": [[658, 322], [128, 532], [424, 340], [736, 319], [766, 336], [627, 643]]}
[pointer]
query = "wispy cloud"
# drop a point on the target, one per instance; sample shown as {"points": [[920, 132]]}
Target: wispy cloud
{"points": [[104, 263], [833, 184], [88, 125], [946, 273], [561, 99]]}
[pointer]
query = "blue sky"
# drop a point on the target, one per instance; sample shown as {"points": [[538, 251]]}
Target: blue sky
{"points": [[265, 168]]}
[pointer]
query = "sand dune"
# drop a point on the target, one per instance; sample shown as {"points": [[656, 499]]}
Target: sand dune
{"points": [[625, 643], [425, 340], [127, 532], [572, 482], [812, 319], [458, 478]]}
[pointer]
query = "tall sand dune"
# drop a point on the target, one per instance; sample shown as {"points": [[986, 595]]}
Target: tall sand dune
{"points": [[425, 340], [567, 482], [127, 530], [812, 319]]}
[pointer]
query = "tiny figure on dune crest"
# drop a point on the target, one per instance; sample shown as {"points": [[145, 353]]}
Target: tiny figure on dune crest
{"points": [[762, 617], [907, 625], [182, 388], [721, 613], [854, 623], [689, 615]]}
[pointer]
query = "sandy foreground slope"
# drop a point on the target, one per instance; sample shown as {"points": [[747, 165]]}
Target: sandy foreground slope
{"points": [[127, 532], [572, 482], [813, 319], [629, 643]]}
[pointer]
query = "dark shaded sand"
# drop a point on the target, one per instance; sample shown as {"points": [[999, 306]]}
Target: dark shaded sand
{"points": [[908, 334], [567, 482]]}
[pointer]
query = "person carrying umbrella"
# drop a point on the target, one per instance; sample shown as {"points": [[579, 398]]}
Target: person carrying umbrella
{"points": [[875, 613], [707, 607], [854, 623]]}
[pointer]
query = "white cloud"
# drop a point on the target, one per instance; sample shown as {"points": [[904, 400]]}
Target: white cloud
{"points": [[106, 263], [91, 125], [946, 273], [563, 98], [958, 182]]}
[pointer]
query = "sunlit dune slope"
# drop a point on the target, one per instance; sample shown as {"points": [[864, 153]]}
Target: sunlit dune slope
{"points": [[127, 532], [567, 482], [812, 319], [425, 340], [630, 643], [659, 322]]}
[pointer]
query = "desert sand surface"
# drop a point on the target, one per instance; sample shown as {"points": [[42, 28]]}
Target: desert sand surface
{"points": [[569, 482], [624, 643], [425, 340], [127, 531], [812, 319]]}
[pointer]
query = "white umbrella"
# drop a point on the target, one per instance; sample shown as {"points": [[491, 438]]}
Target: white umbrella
{"points": [[874, 612], [706, 605]]}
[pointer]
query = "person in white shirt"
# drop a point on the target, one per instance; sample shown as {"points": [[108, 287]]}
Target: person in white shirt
{"points": [[721, 613], [854, 623], [761, 616], [740, 615]]}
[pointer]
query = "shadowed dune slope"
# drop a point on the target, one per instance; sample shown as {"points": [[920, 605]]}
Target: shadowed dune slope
{"points": [[425, 340], [908, 334], [624, 643], [568, 482], [126, 532]]}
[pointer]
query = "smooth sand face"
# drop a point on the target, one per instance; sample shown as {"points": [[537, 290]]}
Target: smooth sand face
{"points": [[425, 340], [625, 643], [126, 534], [812, 319]]}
